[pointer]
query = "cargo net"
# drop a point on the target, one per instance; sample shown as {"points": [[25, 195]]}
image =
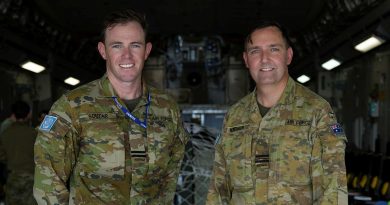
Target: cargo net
{"points": [[196, 169]]}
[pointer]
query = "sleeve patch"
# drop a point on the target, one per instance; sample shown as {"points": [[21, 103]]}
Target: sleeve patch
{"points": [[48, 123], [337, 129]]}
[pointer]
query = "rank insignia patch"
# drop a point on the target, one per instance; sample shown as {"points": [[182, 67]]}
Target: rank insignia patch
{"points": [[47, 123], [237, 128], [337, 129]]}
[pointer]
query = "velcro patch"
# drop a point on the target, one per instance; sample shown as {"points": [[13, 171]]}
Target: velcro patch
{"points": [[48, 123], [97, 116], [337, 129]]}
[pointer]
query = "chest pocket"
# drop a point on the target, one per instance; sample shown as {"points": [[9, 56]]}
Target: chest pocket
{"points": [[102, 151], [237, 144], [162, 140], [293, 147]]}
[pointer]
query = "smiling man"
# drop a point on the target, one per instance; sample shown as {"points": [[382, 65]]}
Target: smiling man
{"points": [[281, 144], [115, 140]]}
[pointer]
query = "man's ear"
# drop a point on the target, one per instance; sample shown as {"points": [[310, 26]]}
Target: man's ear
{"points": [[245, 57], [148, 49], [290, 54], [102, 50]]}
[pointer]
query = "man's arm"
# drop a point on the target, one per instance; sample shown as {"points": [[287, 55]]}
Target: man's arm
{"points": [[54, 156], [328, 169], [177, 151], [219, 192]]}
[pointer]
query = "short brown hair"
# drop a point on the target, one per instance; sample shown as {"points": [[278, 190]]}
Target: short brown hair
{"points": [[265, 24], [121, 17]]}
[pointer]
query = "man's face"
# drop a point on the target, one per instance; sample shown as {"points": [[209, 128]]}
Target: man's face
{"points": [[267, 57], [125, 52]]}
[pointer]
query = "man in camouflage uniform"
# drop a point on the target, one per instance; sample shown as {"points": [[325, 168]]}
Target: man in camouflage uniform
{"points": [[17, 151], [281, 144], [115, 140]]}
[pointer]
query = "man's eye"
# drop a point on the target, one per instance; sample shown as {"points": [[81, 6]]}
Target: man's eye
{"points": [[116, 46], [255, 51], [135, 46], [275, 49]]}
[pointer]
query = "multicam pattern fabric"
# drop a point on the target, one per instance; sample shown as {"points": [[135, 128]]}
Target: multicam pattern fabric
{"points": [[93, 154], [292, 155]]}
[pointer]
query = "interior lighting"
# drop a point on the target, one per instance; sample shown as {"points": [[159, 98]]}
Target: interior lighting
{"points": [[303, 78], [72, 81], [369, 43], [330, 64], [31, 66]]}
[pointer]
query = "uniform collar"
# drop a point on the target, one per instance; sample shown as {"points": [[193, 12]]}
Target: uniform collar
{"points": [[287, 97], [108, 90]]}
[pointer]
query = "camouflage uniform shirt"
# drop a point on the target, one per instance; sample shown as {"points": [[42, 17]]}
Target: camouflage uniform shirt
{"points": [[292, 155], [93, 154]]}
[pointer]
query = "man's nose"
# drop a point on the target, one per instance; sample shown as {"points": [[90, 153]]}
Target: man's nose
{"points": [[127, 53], [264, 56]]}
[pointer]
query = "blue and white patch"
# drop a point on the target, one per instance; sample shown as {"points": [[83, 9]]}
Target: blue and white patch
{"points": [[48, 123], [337, 129]]}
